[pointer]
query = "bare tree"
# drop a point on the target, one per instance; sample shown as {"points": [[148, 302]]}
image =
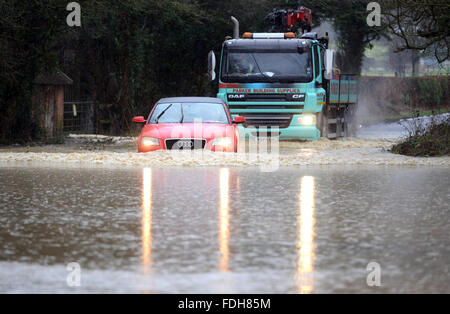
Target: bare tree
{"points": [[421, 25]]}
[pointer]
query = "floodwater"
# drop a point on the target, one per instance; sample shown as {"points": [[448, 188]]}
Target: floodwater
{"points": [[225, 229], [370, 147], [395, 130]]}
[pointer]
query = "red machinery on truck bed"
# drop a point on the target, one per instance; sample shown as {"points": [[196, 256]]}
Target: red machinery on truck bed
{"points": [[283, 21]]}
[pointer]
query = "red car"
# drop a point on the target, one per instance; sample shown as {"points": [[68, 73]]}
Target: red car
{"points": [[189, 123]]}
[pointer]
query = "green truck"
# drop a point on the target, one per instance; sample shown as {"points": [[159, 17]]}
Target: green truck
{"points": [[285, 85]]}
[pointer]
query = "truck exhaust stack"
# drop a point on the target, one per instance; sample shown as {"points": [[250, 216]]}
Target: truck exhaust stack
{"points": [[235, 28]]}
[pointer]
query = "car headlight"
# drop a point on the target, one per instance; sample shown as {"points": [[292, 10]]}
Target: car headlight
{"points": [[222, 141], [307, 120], [149, 141]]}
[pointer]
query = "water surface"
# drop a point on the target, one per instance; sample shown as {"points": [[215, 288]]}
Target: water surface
{"points": [[214, 230]]}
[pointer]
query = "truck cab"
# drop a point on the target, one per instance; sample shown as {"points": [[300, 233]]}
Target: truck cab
{"points": [[281, 85]]}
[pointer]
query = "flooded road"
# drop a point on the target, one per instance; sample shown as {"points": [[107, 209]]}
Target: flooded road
{"points": [[225, 229], [370, 147]]}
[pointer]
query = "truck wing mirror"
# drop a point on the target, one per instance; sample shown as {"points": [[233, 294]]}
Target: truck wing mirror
{"points": [[329, 63], [211, 66]]}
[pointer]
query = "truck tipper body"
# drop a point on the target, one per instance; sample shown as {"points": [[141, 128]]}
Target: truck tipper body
{"points": [[286, 86]]}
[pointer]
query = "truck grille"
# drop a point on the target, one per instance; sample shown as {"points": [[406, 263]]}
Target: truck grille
{"points": [[266, 97], [187, 144], [264, 120]]}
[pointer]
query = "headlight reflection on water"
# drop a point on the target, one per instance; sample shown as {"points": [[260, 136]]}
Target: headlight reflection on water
{"points": [[305, 245], [224, 219], [147, 220], [306, 225]]}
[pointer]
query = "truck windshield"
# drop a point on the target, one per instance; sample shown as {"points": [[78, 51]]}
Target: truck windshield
{"points": [[267, 67], [189, 113]]}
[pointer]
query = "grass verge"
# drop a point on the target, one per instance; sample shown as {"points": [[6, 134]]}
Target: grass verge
{"points": [[426, 141]]}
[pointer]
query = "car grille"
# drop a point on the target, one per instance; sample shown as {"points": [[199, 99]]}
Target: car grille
{"points": [[185, 144], [273, 120]]}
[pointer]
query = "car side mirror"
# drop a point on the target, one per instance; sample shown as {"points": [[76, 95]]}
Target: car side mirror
{"points": [[239, 120], [211, 66], [329, 63], [139, 119]]}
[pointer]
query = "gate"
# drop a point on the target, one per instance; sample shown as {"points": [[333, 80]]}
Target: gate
{"points": [[79, 117], [79, 110]]}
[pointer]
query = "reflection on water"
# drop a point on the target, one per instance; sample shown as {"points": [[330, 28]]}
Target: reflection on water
{"points": [[147, 220], [305, 245], [225, 230], [224, 219]]}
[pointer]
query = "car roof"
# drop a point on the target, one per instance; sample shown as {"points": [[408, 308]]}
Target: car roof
{"points": [[190, 99]]}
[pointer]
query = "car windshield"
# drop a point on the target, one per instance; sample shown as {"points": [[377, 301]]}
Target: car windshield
{"points": [[267, 67], [189, 113]]}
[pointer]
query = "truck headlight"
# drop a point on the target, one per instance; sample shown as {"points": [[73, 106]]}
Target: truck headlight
{"points": [[307, 120], [222, 141], [149, 141]]}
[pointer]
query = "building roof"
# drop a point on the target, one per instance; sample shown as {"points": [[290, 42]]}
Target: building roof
{"points": [[57, 78], [190, 99]]}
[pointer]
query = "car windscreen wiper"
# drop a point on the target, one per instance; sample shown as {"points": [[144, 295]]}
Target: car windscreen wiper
{"points": [[182, 113], [162, 113]]}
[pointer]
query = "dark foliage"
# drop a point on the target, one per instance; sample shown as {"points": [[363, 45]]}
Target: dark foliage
{"points": [[28, 29], [128, 54]]}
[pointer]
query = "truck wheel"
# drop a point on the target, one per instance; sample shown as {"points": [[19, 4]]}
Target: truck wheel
{"points": [[323, 124], [348, 123], [346, 128]]}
